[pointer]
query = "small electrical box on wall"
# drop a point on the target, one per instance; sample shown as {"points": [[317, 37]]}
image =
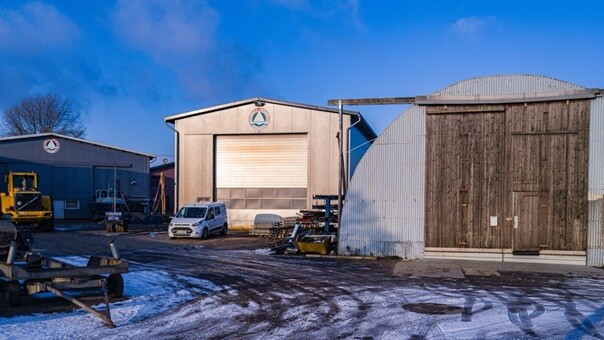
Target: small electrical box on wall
{"points": [[493, 221]]}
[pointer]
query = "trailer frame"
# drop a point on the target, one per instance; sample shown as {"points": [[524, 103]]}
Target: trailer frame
{"points": [[36, 274]]}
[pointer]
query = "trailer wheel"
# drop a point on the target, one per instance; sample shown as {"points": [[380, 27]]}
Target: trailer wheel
{"points": [[115, 285], [13, 293]]}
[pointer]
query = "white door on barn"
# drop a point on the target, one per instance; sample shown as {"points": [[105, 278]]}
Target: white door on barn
{"points": [[58, 207]]}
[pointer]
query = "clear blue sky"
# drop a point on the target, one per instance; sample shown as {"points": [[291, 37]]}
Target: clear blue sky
{"points": [[128, 64]]}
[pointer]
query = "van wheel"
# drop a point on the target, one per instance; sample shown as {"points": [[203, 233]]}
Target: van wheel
{"points": [[224, 230], [204, 234]]}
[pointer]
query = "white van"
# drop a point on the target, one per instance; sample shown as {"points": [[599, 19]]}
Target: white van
{"points": [[199, 220]]}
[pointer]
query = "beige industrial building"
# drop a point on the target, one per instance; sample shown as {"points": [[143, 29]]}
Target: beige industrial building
{"points": [[262, 155]]}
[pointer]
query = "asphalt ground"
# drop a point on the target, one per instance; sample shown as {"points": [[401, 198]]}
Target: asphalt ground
{"points": [[323, 282], [71, 238]]}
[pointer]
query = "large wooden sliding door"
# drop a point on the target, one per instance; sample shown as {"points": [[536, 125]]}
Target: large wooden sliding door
{"points": [[511, 176]]}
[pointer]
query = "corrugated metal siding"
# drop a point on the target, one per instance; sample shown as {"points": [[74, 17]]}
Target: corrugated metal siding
{"points": [[595, 236], [384, 208], [507, 84]]}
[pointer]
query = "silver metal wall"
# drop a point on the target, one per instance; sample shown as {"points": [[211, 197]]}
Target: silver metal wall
{"points": [[595, 236], [384, 207]]}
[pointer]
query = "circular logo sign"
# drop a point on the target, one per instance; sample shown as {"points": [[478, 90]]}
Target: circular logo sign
{"points": [[51, 145], [259, 119]]}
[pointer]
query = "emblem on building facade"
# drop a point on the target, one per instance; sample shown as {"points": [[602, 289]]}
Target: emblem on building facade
{"points": [[259, 119], [51, 145]]}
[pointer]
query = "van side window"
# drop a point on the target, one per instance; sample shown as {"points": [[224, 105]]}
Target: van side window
{"points": [[210, 214], [217, 211]]}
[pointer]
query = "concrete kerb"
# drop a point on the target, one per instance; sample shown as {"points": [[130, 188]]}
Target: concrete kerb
{"points": [[462, 268]]}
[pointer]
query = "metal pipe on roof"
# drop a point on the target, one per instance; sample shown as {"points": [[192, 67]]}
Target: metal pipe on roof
{"points": [[439, 99], [372, 101]]}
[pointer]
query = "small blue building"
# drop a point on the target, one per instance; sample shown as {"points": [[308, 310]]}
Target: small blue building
{"points": [[71, 169]]}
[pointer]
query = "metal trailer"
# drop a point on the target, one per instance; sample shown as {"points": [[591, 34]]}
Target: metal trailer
{"points": [[42, 274]]}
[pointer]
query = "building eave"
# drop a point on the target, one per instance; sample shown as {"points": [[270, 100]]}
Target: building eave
{"points": [[173, 118], [78, 140]]}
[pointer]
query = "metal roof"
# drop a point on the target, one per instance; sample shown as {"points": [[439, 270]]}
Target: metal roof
{"points": [[253, 100], [55, 135], [162, 166], [507, 84], [498, 89]]}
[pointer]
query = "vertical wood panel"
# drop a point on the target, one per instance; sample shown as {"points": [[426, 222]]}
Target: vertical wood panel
{"points": [[463, 177], [478, 163]]}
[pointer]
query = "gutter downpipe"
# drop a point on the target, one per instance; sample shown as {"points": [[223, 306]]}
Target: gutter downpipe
{"points": [[341, 176], [176, 160]]}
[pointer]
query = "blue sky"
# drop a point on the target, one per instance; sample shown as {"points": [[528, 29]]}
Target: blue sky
{"points": [[128, 64]]}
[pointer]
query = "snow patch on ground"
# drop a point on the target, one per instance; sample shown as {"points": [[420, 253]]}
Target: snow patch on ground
{"points": [[163, 305], [263, 251], [148, 293]]}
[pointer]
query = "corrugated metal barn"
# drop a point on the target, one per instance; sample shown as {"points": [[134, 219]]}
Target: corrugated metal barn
{"points": [[71, 169], [263, 155], [507, 168]]}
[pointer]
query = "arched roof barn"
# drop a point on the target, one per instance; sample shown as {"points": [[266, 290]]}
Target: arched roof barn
{"points": [[506, 167]]}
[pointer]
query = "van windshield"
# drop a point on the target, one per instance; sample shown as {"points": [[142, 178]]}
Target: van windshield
{"points": [[186, 212]]}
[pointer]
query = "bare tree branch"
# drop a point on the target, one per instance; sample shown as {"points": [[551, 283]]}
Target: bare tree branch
{"points": [[42, 114]]}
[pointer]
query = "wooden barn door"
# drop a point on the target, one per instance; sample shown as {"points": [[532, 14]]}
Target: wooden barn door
{"points": [[528, 221], [527, 176], [548, 144], [523, 166], [464, 158]]}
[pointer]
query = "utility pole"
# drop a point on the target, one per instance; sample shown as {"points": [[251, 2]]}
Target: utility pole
{"points": [[341, 166], [365, 101]]}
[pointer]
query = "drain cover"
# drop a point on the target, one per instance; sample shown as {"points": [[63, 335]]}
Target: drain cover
{"points": [[432, 308]]}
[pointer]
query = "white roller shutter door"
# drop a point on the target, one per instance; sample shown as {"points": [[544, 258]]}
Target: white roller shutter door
{"points": [[262, 161]]}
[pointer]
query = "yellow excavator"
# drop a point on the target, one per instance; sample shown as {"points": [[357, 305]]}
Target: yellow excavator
{"points": [[24, 203]]}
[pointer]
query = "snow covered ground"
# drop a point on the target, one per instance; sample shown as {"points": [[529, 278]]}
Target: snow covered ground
{"points": [[160, 304]]}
